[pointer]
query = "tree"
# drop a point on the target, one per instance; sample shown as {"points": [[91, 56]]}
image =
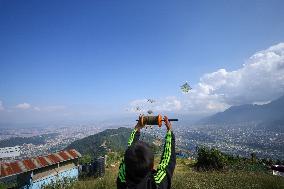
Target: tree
{"points": [[210, 159], [85, 159]]}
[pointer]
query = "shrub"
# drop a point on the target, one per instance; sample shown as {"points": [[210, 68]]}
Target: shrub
{"points": [[85, 159], [2, 186], [60, 184], [210, 159]]}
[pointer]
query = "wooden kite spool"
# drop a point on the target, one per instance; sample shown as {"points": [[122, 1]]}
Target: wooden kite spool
{"points": [[152, 120]]}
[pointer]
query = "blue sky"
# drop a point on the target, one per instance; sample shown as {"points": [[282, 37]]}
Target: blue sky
{"points": [[100, 56]]}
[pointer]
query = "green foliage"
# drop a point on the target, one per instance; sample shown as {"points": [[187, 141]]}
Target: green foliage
{"points": [[213, 159], [156, 149], [247, 164], [106, 182], [60, 184], [114, 140], [2, 186], [98, 144], [7, 185], [210, 159], [85, 159], [113, 158]]}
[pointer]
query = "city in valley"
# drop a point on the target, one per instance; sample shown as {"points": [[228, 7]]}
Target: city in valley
{"points": [[39, 141], [238, 139]]}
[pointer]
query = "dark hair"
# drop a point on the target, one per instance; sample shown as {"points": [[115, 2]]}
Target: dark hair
{"points": [[139, 160]]}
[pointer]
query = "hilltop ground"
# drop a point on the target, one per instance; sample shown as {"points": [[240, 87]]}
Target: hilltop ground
{"points": [[185, 177]]}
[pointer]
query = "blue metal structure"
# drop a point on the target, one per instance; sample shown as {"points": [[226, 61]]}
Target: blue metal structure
{"points": [[66, 175]]}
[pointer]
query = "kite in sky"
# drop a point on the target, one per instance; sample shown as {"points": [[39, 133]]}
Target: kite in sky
{"points": [[151, 100], [150, 112], [185, 88]]}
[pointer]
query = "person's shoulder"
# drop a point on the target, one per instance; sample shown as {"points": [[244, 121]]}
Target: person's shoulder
{"points": [[152, 174], [152, 180]]}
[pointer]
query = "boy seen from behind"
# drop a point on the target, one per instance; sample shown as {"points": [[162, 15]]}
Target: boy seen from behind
{"points": [[137, 167]]}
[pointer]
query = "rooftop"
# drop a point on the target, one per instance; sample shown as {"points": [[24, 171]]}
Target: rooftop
{"points": [[17, 167]]}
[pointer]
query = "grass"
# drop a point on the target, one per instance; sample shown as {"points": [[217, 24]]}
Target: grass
{"points": [[107, 182], [186, 177]]}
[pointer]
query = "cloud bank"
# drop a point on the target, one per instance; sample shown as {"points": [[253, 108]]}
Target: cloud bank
{"points": [[259, 80], [23, 106]]}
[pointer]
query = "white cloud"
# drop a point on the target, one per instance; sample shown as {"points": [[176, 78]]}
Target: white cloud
{"points": [[23, 106], [1, 106], [259, 80], [36, 108]]}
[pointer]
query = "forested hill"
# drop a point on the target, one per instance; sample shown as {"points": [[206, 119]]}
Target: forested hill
{"points": [[113, 139], [110, 139]]}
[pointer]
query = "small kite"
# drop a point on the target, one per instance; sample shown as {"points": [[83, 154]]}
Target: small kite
{"points": [[150, 112], [185, 88], [151, 101], [138, 108]]}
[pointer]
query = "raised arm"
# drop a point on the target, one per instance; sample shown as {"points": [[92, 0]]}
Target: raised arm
{"points": [[168, 161], [134, 137]]}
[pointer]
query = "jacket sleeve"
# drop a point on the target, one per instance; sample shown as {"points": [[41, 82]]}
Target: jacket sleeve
{"points": [[167, 164], [121, 183]]}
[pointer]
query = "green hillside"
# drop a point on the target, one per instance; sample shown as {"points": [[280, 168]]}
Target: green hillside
{"points": [[233, 172], [186, 177], [114, 140]]}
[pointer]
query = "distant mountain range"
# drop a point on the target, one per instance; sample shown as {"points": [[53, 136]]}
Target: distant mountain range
{"points": [[269, 116]]}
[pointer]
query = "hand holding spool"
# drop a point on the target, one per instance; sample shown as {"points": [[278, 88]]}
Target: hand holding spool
{"points": [[154, 120]]}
